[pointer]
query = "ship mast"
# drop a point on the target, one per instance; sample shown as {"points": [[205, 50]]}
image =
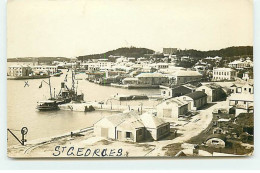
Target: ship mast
{"points": [[50, 87]]}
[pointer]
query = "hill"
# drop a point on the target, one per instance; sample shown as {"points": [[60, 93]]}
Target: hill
{"points": [[226, 52], [124, 51]]}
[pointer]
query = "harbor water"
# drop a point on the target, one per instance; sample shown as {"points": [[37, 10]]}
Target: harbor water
{"points": [[22, 102]]}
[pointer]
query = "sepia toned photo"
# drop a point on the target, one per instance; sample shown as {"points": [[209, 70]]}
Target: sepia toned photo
{"points": [[129, 79]]}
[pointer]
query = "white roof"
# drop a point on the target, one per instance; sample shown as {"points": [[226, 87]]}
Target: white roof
{"points": [[242, 97], [18, 66], [150, 75], [187, 73], [151, 121], [223, 69], [177, 101], [130, 78]]}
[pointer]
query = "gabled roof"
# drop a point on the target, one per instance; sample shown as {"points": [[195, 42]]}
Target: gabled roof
{"points": [[119, 118], [131, 123], [177, 101], [196, 95], [213, 85], [151, 121]]}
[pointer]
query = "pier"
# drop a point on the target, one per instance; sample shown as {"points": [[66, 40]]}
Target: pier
{"points": [[81, 107]]}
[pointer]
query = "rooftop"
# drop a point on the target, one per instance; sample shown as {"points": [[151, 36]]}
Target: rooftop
{"points": [[150, 75], [177, 101], [151, 121], [196, 95], [187, 73]]}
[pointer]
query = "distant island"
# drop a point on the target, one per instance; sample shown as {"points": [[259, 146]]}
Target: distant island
{"points": [[37, 59], [142, 52]]}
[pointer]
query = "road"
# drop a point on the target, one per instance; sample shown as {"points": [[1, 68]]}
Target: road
{"points": [[196, 125]]}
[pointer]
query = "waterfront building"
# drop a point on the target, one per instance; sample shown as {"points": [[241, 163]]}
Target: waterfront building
{"points": [[45, 69], [131, 130], [183, 76], [156, 128], [131, 127], [152, 79], [104, 64], [130, 81], [19, 70], [220, 74], [172, 108]]}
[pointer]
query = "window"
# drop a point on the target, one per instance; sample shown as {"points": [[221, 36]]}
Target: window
{"points": [[249, 90], [128, 134], [214, 142]]}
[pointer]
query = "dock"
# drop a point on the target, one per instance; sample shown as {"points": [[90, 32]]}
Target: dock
{"points": [[81, 107], [130, 97]]}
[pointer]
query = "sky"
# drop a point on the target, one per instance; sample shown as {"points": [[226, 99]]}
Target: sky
{"points": [[70, 28]]}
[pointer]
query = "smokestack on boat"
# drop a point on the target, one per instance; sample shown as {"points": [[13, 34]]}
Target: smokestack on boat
{"points": [[62, 84]]}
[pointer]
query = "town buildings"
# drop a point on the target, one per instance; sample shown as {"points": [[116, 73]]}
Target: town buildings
{"points": [[19, 70], [131, 127], [241, 64], [152, 79], [177, 91], [172, 108], [170, 51], [214, 92], [242, 98], [221, 74], [183, 76], [196, 100]]}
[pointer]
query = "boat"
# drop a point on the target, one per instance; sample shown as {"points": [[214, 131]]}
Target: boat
{"points": [[47, 105], [66, 95]]}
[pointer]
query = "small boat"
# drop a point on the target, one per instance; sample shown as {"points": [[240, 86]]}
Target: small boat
{"points": [[47, 105]]}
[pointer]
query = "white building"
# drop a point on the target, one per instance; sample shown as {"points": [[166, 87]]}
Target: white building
{"points": [[46, 69], [241, 64], [242, 97], [19, 70], [220, 74], [161, 66], [172, 108]]}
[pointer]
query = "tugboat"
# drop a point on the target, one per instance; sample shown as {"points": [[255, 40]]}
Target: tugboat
{"points": [[65, 95]]}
